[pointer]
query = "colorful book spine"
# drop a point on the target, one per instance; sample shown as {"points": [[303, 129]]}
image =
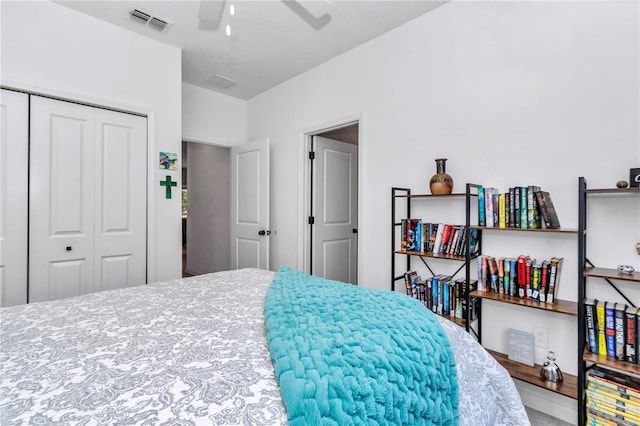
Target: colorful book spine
{"points": [[480, 260], [524, 209], [602, 340], [554, 278], [493, 273], [512, 217], [535, 282], [617, 382], [516, 206], [506, 277], [544, 279], [488, 203], [592, 330], [522, 281], [502, 212], [610, 331], [630, 335], [619, 325], [513, 277], [531, 206], [501, 275], [481, 207]]}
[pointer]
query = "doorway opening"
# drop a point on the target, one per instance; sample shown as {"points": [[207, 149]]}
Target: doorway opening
{"points": [[205, 211], [331, 202]]}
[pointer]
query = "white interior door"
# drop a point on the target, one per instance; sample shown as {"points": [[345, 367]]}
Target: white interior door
{"points": [[87, 192], [14, 155], [335, 210], [120, 237], [250, 205]]}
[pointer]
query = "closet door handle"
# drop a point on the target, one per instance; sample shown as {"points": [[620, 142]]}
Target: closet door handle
{"points": [[68, 248]]}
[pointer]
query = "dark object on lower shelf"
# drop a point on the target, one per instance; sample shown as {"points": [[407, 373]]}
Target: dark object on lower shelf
{"points": [[634, 177]]}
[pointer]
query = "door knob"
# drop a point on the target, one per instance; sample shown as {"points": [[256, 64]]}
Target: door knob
{"points": [[68, 248], [263, 232], [354, 230]]}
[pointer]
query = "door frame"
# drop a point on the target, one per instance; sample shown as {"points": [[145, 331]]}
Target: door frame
{"points": [[152, 160], [304, 184]]}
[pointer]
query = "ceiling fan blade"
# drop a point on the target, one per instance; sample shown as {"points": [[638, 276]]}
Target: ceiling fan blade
{"points": [[210, 14], [315, 13]]}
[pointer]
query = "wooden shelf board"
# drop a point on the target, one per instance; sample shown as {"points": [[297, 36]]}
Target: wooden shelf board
{"points": [[557, 231], [435, 256], [456, 194], [560, 306], [568, 387], [608, 361], [458, 321], [612, 274], [613, 190]]}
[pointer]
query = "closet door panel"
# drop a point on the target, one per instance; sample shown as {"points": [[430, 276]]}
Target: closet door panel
{"points": [[121, 179], [61, 194], [14, 151]]}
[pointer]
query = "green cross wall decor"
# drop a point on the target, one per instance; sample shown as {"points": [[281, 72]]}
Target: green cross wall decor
{"points": [[168, 184]]}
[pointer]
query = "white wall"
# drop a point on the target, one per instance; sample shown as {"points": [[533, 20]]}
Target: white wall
{"points": [[51, 49], [512, 93], [212, 117]]}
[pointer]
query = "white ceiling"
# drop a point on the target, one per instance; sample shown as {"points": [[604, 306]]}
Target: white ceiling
{"points": [[271, 40]]}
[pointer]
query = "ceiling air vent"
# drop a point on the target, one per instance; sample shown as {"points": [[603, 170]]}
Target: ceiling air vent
{"points": [[220, 82], [145, 18]]}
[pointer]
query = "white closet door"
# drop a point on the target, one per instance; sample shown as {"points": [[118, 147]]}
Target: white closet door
{"points": [[87, 195], [14, 151], [120, 200]]}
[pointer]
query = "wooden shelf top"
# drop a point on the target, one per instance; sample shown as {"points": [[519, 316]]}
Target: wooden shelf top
{"points": [[458, 321], [559, 306], [608, 361], [568, 387], [557, 231], [453, 195], [613, 191], [613, 274], [426, 254]]}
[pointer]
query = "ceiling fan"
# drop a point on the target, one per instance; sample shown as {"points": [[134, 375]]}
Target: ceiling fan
{"points": [[313, 12]]}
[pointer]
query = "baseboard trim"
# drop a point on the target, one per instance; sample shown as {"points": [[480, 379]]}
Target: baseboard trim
{"points": [[553, 404]]}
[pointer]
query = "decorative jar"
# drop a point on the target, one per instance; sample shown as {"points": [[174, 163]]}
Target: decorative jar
{"points": [[441, 183]]}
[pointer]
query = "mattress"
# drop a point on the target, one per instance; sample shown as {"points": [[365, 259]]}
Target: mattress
{"points": [[187, 351]]}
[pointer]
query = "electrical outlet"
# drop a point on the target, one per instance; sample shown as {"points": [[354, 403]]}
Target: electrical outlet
{"points": [[541, 336]]}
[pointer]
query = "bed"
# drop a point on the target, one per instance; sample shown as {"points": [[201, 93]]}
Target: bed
{"points": [[183, 352]]}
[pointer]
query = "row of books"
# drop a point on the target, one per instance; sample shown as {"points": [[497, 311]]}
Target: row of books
{"points": [[437, 238], [520, 277], [441, 294], [612, 398], [613, 330], [519, 207]]}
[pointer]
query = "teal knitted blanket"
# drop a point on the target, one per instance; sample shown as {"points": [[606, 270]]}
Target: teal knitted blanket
{"points": [[348, 355]]}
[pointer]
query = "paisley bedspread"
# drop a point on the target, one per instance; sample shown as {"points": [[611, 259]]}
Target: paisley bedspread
{"points": [[185, 352]]}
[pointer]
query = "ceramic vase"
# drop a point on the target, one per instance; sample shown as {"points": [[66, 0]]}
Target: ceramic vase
{"points": [[441, 183]]}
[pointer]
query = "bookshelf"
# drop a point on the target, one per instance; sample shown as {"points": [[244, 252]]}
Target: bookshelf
{"points": [[589, 275], [402, 201], [569, 386]]}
